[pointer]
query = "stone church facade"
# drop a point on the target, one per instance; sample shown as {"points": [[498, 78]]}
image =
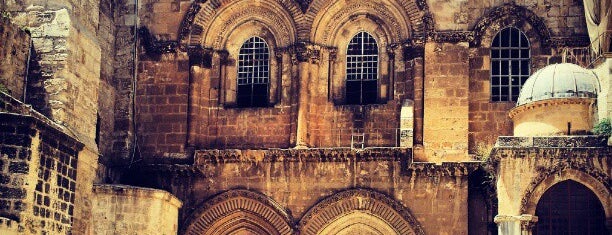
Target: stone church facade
{"points": [[305, 117]]}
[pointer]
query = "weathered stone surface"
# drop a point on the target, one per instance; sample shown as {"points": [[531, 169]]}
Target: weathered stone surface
{"points": [[122, 209]]}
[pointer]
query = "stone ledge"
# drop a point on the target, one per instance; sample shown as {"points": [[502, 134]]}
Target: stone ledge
{"points": [[582, 141], [302, 155], [141, 192]]}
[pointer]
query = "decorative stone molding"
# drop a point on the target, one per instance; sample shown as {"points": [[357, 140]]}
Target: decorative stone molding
{"points": [[452, 36], [552, 141], [549, 102], [575, 41], [572, 163], [345, 202], [236, 208], [203, 157], [510, 10], [445, 169], [187, 21], [306, 52]]}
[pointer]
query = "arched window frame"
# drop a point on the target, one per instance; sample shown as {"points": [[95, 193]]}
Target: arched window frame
{"points": [[509, 72], [252, 86], [359, 97]]}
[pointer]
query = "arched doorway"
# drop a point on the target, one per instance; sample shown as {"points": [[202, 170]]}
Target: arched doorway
{"points": [[239, 212], [359, 211], [569, 207]]}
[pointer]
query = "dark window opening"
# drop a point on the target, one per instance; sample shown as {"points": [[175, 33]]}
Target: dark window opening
{"points": [[253, 73], [510, 58], [570, 208], [362, 70]]}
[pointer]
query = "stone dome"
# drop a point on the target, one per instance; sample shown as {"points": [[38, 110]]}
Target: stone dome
{"points": [[559, 81]]}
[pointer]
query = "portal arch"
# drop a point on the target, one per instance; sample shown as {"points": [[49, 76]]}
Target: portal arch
{"points": [[239, 212], [364, 209]]}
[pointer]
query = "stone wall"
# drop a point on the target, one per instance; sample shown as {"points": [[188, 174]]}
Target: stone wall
{"points": [[446, 102], [161, 105], [13, 57], [298, 179], [40, 182], [51, 175], [122, 209], [564, 18], [528, 166], [67, 61]]}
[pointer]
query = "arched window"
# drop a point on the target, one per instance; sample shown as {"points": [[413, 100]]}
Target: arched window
{"points": [[570, 208], [362, 69], [510, 56], [253, 73]]}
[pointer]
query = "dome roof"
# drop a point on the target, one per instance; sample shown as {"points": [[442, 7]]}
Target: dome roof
{"points": [[559, 81]]}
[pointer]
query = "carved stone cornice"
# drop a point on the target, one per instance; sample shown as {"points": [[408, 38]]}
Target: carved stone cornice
{"points": [[376, 203], [203, 157], [577, 41], [445, 169], [452, 36]]}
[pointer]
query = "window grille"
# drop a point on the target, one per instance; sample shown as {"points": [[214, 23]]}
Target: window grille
{"points": [[253, 73], [510, 59], [362, 69]]}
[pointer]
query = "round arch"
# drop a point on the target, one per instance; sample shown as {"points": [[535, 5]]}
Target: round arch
{"points": [[413, 16], [546, 180], [362, 208], [239, 210], [389, 20], [210, 23], [511, 15]]}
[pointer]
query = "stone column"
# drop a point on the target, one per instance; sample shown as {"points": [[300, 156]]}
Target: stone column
{"points": [[303, 54], [515, 224]]}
